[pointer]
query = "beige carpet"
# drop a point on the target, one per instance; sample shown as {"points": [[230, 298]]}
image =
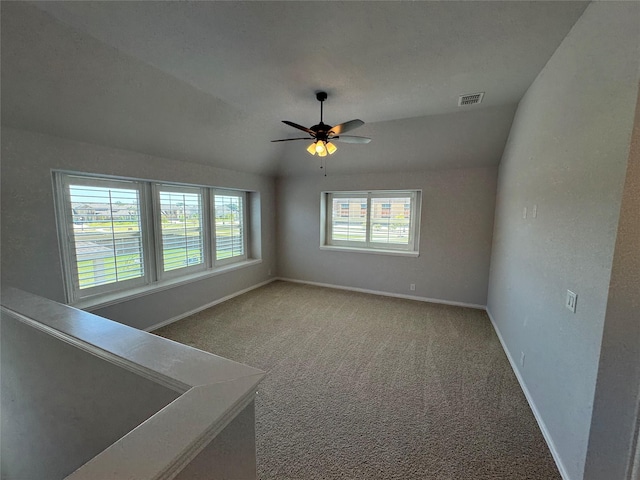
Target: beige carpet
{"points": [[367, 387]]}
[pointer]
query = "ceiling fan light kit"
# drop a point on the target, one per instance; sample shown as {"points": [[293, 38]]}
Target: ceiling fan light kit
{"points": [[323, 134], [322, 148]]}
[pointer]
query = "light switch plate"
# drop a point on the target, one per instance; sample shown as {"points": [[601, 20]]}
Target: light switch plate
{"points": [[572, 299]]}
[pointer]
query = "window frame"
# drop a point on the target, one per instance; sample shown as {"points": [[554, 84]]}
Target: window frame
{"points": [[329, 226], [157, 189], [64, 211], [236, 258], [154, 277], [327, 242]]}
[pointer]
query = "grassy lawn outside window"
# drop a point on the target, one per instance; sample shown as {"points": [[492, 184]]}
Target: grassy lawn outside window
{"points": [[118, 234]]}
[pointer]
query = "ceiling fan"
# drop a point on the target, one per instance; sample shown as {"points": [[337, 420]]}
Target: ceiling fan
{"points": [[322, 134]]}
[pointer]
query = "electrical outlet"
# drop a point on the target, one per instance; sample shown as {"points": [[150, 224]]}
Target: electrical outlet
{"points": [[524, 212], [572, 300], [522, 359], [412, 287], [269, 273], [534, 213]]}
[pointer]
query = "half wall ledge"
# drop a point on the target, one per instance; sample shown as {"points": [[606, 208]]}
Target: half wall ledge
{"points": [[212, 395]]}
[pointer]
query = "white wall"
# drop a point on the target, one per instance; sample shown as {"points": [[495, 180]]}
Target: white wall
{"points": [[63, 406], [617, 400], [30, 251], [567, 154], [230, 455], [455, 238]]}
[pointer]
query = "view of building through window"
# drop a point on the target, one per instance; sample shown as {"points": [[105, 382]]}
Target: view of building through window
{"points": [[107, 234], [349, 221], [229, 218], [371, 219], [119, 233], [390, 218], [182, 232]]}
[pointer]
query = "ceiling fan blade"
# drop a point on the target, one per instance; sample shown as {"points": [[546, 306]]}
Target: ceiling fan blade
{"points": [[350, 139], [346, 126], [290, 139], [299, 127]]}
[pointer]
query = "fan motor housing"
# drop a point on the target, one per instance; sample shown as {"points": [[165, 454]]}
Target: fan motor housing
{"points": [[321, 130], [324, 133]]}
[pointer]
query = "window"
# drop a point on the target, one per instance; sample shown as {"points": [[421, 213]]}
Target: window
{"points": [[347, 223], [118, 234], [377, 220], [231, 242], [103, 228], [181, 227]]}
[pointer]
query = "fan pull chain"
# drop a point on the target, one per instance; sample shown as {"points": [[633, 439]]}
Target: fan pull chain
{"points": [[323, 165]]}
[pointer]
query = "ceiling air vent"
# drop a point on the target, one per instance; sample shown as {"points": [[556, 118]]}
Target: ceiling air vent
{"points": [[470, 99]]}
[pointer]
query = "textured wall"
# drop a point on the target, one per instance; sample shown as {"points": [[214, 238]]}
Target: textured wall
{"points": [[63, 406], [567, 154], [455, 238], [30, 251], [231, 455], [617, 398]]}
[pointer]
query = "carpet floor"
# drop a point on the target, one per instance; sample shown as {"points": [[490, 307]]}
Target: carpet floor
{"points": [[362, 386]]}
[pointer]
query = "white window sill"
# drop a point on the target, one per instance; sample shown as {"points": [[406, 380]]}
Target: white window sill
{"points": [[376, 251], [94, 303]]}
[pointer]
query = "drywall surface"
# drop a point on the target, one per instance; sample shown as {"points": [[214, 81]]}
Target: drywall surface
{"points": [[455, 238], [615, 410], [30, 250], [565, 159], [62, 406], [232, 454]]}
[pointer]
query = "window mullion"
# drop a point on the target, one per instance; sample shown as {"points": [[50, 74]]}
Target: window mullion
{"points": [[207, 227], [243, 227], [412, 220], [329, 217], [154, 220], [368, 225], [212, 219]]}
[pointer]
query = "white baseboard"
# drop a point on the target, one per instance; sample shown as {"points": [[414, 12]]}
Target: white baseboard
{"points": [[534, 409], [386, 294], [208, 305]]}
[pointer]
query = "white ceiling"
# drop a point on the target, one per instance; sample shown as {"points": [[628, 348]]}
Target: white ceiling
{"points": [[210, 81]]}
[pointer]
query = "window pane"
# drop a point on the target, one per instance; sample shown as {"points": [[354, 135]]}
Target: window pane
{"points": [[349, 219], [107, 234], [182, 232], [390, 220], [229, 218]]}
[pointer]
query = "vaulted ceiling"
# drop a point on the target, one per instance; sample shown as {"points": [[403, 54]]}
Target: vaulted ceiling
{"points": [[210, 82]]}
